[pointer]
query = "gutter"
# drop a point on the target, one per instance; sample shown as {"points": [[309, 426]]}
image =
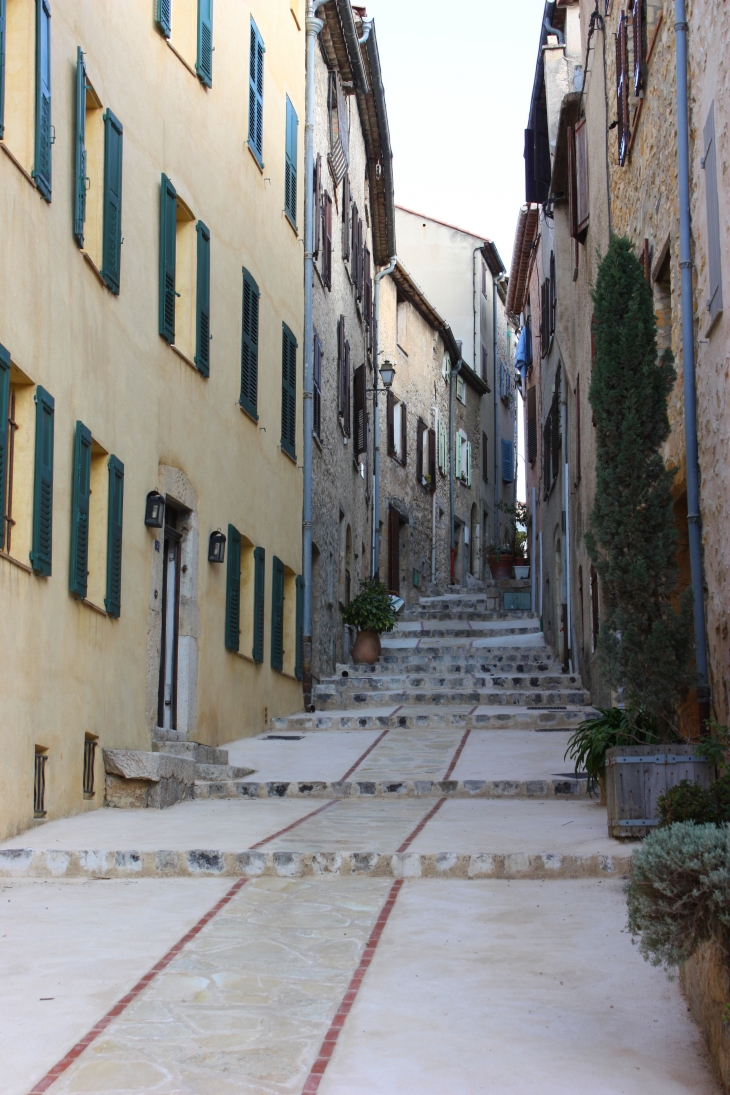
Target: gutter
{"points": [[454, 372], [375, 561], [352, 42], [386, 157]]}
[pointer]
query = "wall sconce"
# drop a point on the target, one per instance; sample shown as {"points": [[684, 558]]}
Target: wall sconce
{"points": [[154, 514], [216, 547], [387, 374]]}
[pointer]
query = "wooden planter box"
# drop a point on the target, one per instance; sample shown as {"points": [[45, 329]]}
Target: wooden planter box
{"points": [[636, 775]]}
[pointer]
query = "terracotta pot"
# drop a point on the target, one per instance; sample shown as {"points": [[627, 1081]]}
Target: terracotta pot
{"points": [[501, 565], [366, 650]]}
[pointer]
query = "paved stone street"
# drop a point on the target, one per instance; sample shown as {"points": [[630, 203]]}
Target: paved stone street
{"points": [[385, 909]]}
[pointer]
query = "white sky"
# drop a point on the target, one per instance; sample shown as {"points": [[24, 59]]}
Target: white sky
{"points": [[458, 78]]}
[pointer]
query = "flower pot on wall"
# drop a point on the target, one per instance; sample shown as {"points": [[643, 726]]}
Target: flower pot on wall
{"points": [[366, 650], [522, 571], [501, 565]]}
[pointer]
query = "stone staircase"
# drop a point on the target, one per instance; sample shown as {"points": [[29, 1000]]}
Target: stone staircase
{"points": [[136, 779]]}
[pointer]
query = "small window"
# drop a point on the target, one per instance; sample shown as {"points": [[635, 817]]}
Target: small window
{"points": [[189, 29], [17, 464], [402, 325], [461, 389], [184, 314], [663, 301], [290, 165], [96, 523], [485, 363], [317, 388], [446, 367], [256, 95], [39, 781], [17, 123], [90, 744]]}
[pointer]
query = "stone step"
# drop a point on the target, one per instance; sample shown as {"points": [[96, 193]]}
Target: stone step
{"points": [[475, 718], [194, 863], [446, 697], [430, 645], [464, 629], [476, 662], [419, 614], [221, 772], [201, 754], [395, 788], [382, 682]]}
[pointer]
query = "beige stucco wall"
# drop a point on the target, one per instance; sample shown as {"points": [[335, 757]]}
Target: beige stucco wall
{"points": [[68, 669]]}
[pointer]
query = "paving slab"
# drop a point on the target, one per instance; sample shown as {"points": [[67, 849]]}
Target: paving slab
{"points": [[311, 757]]}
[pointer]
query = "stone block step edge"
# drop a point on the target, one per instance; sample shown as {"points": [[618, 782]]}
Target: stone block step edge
{"points": [[196, 863], [394, 788]]}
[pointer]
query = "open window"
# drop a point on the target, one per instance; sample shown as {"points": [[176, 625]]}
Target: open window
{"points": [[397, 423], [184, 312], [25, 88], [17, 459], [462, 458], [425, 456], [402, 325], [188, 27], [96, 523]]}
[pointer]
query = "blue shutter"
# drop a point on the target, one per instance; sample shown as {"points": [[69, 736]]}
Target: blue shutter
{"points": [[204, 63], [259, 603], [714, 263], [168, 226], [163, 19], [299, 655], [113, 600], [2, 66], [508, 468], [80, 498], [256, 95], [42, 168], [202, 302], [288, 391], [112, 247], [290, 167], [233, 590], [80, 182], [250, 346], [277, 616], [40, 555], [4, 432]]}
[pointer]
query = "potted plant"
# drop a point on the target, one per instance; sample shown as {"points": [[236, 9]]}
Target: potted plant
{"points": [[372, 613], [500, 559], [503, 557]]}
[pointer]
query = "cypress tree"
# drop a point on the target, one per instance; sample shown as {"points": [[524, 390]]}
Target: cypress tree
{"points": [[644, 644]]}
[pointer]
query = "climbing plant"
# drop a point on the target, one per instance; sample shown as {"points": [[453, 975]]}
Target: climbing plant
{"points": [[644, 643]]}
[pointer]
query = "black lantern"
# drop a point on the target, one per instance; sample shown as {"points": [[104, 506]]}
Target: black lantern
{"points": [[154, 514], [216, 547], [387, 374]]}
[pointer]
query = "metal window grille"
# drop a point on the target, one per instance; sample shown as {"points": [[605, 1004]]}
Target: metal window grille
{"points": [[89, 757], [8, 515], [39, 785]]}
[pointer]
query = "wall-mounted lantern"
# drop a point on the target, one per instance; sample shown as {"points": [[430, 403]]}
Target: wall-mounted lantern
{"points": [[387, 374], [154, 514], [216, 547]]}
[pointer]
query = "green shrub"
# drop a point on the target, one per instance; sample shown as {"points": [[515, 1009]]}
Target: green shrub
{"points": [[612, 726], [371, 610], [679, 895], [701, 805]]}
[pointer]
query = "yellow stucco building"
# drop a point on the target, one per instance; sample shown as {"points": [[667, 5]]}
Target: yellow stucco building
{"points": [[151, 308]]}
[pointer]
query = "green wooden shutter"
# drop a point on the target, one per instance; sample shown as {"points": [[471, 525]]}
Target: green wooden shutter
{"points": [[204, 63], [112, 248], [164, 17], [202, 302], [299, 657], [256, 95], [4, 433], [80, 498], [508, 471], [250, 346], [233, 590], [277, 616], [259, 603], [42, 167], [168, 224], [288, 392], [40, 555], [80, 189], [457, 456], [113, 599], [290, 167], [3, 4], [714, 247], [468, 463]]}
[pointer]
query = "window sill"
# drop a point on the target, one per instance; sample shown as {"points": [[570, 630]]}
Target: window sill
{"points": [[16, 562], [288, 455], [245, 657], [317, 441], [93, 607], [712, 325], [259, 163], [291, 223], [249, 415], [26, 174], [289, 676], [182, 60], [95, 268], [184, 357]]}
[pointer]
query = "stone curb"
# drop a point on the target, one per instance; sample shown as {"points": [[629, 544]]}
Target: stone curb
{"points": [[520, 720], [97, 863], [452, 788]]}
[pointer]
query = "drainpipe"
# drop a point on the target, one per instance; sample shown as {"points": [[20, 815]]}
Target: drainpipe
{"points": [[313, 27], [433, 500], [688, 362], [453, 373], [533, 561], [495, 283], [566, 569], [375, 566]]}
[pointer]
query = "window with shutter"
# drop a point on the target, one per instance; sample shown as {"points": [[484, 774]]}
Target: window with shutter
{"points": [[341, 397], [42, 168], [277, 615], [41, 551], [348, 388], [80, 498], [531, 424], [317, 206], [637, 19], [4, 441], [714, 263], [80, 179], [622, 89], [233, 590], [113, 599], [508, 469], [468, 463], [353, 244], [367, 288], [299, 654], [443, 449], [359, 266], [290, 165], [327, 252], [403, 435], [204, 62], [360, 417], [458, 464], [112, 242], [317, 388], [578, 179], [202, 301], [168, 226], [432, 460], [250, 346], [346, 227], [577, 431], [485, 458], [288, 391], [390, 421], [256, 95], [420, 430], [552, 294], [259, 603], [555, 434], [164, 17]]}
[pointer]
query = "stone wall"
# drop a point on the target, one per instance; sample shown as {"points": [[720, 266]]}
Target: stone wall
{"points": [[705, 981]]}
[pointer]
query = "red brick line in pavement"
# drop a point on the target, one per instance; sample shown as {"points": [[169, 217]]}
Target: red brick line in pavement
{"points": [[458, 752], [327, 1048], [367, 753]]}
